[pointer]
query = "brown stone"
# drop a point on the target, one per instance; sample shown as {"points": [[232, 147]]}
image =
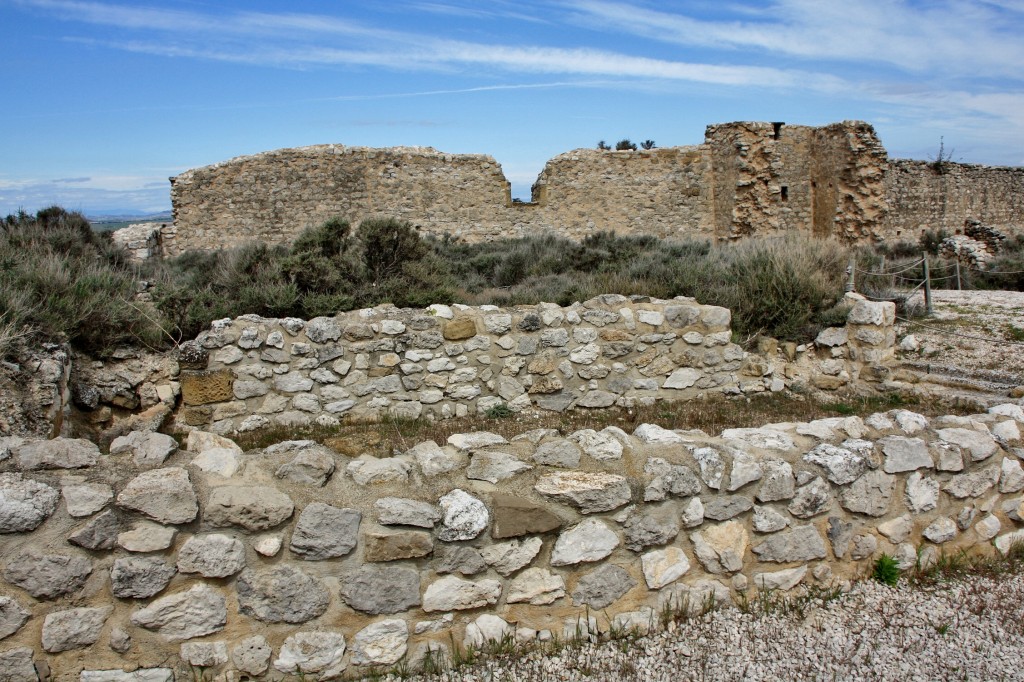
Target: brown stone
{"points": [[195, 415], [354, 444], [543, 363], [460, 328], [789, 348], [615, 335], [645, 358], [545, 385], [515, 516], [391, 546], [827, 383], [658, 367], [1017, 392], [767, 346], [200, 387]]}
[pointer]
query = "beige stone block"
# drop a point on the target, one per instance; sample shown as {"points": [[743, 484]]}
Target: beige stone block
{"points": [[206, 386]]}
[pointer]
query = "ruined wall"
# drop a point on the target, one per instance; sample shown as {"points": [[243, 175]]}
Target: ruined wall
{"points": [[443, 362], [929, 196], [746, 178], [143, 562]]}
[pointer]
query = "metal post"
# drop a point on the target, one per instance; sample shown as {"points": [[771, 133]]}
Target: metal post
{"points": [[850, 272], [927, 288], [881, 267], [957, 262]]}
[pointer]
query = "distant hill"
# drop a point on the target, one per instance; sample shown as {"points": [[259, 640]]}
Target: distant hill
{"points": [[105, 222]]}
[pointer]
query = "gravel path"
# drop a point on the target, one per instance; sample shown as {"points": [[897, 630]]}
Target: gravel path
{"points": [[963, 320], [965, 630]]}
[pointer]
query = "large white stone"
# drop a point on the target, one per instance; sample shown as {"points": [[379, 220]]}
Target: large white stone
{"points": [[664, 566], [223, 462], [508, 557], [537, 586], [590, 492], [842, 466], [783, 580], [904, 454], [381, 643], [313, 652], [590, 540], [720, 548], [487, 628], [463, 517], [600, 445], [455, 594], [765, 439], [922, 493], [652, 434], [980, 445], [477, 439], [202, 610]]}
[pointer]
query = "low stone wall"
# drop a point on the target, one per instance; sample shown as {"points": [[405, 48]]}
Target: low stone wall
{"points": [[449, 361], [153, 562]]}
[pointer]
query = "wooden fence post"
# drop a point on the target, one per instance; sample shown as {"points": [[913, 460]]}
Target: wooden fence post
{"points": [[927, 288]]}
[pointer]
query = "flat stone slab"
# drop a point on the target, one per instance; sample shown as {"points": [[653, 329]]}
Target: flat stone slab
{"points": [[589, 492], [164, 495]]}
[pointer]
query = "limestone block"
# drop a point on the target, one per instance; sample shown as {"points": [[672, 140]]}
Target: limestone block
{"points": [[164, 495], [325, 532], [199, 611], [601, 587], [493, 466], [870, 494], [139, 577], [73, 628], [454, 594], [251, 507], [588, 492], [313, 652], [590, 540], [662, 567], [720, 548], [57, 453], [282, 594], [801, 543], [537, 586], [395, 545], [380, 643], [47, 576], [463, 516], [212, 556], [381, 589], [201, 387]]}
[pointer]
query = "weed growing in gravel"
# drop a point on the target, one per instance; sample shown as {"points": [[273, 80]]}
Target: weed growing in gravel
{"points": [[886, 571], [948, 567]]}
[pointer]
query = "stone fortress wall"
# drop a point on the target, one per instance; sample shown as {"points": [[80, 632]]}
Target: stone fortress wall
{"points": [[746, 178]]}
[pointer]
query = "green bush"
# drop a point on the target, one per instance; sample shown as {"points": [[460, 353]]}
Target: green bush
{"points": [[60, 281], [886, 570]]}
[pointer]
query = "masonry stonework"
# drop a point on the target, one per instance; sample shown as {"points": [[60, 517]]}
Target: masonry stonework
{"points": [[747, 178], [163, 561]]}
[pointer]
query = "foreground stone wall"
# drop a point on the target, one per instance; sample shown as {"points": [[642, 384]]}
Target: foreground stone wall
{"points": [[157, 557], [746, 178], [450, 361]]}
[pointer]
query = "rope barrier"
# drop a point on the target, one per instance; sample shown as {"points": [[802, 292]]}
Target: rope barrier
{"points": [[894, 272], [963, 336]]}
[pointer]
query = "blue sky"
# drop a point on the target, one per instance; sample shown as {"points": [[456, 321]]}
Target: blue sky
{"points": [[106, 99]]}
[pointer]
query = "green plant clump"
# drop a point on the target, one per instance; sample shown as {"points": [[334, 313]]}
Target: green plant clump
{"points": [[886, 571]]}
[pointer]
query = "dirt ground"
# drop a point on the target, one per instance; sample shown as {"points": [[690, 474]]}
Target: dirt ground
{"points": [[975, 330]]}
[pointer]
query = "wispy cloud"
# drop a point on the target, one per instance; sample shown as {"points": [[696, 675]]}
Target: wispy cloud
{"points": [[956, 36], [299, 44]]}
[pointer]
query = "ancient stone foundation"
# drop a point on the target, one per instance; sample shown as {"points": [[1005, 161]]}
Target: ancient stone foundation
{"points": [[745, 179], [158, 560]]}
